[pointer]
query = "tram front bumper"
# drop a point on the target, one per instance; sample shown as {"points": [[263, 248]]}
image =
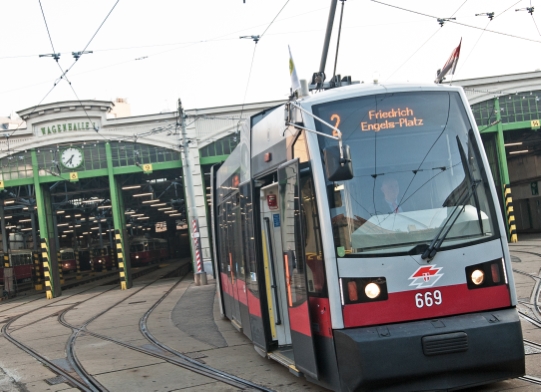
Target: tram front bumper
{"points": [[443, 354]]}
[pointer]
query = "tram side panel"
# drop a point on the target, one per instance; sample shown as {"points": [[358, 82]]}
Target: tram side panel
{"points": [[255, 295], [225, 262]]}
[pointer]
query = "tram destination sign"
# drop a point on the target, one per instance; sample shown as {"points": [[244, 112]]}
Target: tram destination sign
{"points": [[389, 119], [66, 126]]}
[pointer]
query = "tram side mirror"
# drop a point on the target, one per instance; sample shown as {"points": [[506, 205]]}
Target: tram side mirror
{"points": [[338, 169]]}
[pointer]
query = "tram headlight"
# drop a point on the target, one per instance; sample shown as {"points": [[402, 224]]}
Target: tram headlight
{"points": [[372, 290], [487, 274], [477, 277], [359, 290]]}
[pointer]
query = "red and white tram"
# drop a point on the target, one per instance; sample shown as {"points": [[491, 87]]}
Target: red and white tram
{"points": [[22, 262], [144, 250], [67, 260], [102, 258], [360, 242]]}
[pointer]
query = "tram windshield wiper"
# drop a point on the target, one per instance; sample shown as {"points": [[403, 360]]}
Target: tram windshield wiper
{"points": [[435, 245], [468, 171]]}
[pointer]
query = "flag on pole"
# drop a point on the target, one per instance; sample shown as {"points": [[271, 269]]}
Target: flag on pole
{"points": [[450, 65], [295, 84]]}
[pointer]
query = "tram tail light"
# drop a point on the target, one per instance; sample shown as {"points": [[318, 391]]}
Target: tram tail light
{"points": [[352, 291], [486, 274], [495, 273], [360, 290]]}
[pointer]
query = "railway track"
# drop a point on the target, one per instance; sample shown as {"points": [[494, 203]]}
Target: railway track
{"points": [[80, 378]]}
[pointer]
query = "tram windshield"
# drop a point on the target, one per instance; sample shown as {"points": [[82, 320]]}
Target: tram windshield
{"points": [[418, 174]]}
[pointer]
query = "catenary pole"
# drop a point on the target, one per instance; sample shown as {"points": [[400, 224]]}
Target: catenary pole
{"points": [[200, 277]]}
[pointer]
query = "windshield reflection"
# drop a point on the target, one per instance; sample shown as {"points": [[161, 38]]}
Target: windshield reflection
{"points": [[415, 159]]}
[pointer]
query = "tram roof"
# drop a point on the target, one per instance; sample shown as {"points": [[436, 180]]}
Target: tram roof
{"points": [[356, 90]]}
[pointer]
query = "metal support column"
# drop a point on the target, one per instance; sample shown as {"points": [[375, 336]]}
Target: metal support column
{"points": [[200, 276], [38, 286], [47, 243], [504, 174], [117, 207], [4, 236]]}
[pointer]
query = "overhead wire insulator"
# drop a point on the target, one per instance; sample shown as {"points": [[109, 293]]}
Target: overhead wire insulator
{"points": [[489, 14], [529, 9], [442, 21], [255, 38], [76, 55], [55, 56]]}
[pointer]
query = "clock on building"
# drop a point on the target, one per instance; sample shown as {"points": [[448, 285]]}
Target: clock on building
{"points": [[71, 157]]}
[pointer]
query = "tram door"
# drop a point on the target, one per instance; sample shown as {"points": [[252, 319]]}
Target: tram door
{"points": [[271, 224], [294, 262], [232, 259]]}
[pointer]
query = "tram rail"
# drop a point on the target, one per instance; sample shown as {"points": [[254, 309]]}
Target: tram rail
{"points": [[82, 379]]}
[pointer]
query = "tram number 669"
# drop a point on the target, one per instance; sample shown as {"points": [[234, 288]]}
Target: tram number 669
{"points": [[428, 299]]}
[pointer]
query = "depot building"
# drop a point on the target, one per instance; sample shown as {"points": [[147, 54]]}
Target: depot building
{"points": [[83, 176], [87, 176]]}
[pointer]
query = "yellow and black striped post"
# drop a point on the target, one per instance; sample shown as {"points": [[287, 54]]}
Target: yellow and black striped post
{"points": [[91, 260], [509, 212], [6, 260], [60, 273], [120, 258], [78, 271], [102, 257], [46, 272], [38, 286], [114, 258]]}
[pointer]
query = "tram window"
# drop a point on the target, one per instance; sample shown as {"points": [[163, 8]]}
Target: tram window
{"points": [[300, 149], [292, 238], [248, 240], [313, 249], [238, 250], [427, 149]]}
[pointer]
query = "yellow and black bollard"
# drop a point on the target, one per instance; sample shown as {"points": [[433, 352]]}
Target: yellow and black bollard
{"points": [[38, 286], [102, 258], [46, 272], [121, 270], [60, 273], [77, 265], [509, 211]]}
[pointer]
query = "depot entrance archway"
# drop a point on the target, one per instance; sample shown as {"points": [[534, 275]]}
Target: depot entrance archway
{"points": [[90, 195]]}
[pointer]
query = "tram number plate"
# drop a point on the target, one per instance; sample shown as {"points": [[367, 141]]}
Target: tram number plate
{"points": [[428, 299]]}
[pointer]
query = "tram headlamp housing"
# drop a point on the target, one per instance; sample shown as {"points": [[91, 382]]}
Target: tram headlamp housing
{"points": [[488, 274], [362, 290]]}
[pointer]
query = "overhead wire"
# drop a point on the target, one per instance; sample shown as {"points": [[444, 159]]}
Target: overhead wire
{"points": [[534, 22], [270, 24], [423, 44], [256, 40], [56, 58], [47, 27], [481, 35], [202, 41], [70, 67], [458, 23]]}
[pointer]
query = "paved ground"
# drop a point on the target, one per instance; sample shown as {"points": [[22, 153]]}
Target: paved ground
{"points": [[187, 320]]}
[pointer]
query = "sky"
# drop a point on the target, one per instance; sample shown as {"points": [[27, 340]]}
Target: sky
{"points": [[154, 52]]}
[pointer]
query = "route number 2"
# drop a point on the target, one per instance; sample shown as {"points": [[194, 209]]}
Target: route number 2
{"points": [[428, 299]]}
